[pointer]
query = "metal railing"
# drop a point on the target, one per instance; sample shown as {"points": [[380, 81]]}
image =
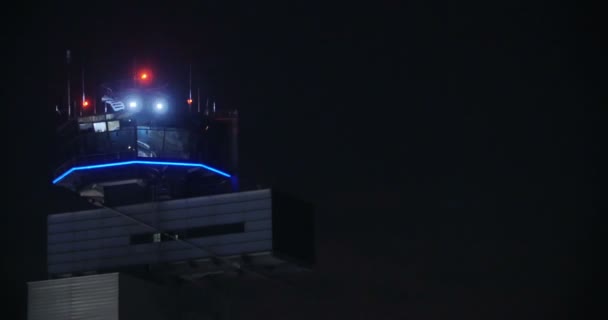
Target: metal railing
{"points": [[125, 144], [93, 159]]}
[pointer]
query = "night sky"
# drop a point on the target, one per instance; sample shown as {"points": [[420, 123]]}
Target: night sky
{"points": [[450, 149]]}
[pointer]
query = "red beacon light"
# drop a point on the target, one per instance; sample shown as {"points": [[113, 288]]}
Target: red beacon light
{"points": [[189, 101], [144, 77], [85, 103]]}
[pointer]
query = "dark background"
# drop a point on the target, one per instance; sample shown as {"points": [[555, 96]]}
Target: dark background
{"points": [[450, 148]]}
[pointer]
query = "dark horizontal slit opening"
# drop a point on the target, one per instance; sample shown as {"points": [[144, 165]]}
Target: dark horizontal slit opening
{"points": [[189, 233]]}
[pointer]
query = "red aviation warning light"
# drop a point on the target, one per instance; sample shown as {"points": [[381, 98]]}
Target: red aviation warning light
{"points": [[189, 101], [144, 77], [85, 103]]}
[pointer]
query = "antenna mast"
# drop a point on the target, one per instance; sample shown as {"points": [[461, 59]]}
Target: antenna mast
{"points": [[83, 97], [190, 93], [68, 57]]}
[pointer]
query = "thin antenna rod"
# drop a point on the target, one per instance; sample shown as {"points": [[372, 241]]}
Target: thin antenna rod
{"points": [[190, 94], [83, 84], [134, 73], [198, 99], [68, 57], [83, 97]]}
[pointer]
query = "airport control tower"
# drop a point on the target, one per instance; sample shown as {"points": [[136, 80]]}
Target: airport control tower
{"points": [[161, 175]]}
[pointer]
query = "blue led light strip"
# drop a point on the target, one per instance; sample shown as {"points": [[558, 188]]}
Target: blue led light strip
{"points": [[124, 163]]}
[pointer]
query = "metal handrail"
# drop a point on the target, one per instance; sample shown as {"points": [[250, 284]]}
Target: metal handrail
{"points": [[76, 159], [94, 159]]}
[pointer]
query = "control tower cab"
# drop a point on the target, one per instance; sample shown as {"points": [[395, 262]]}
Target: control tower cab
{"points": [[139, 142], [165, 212]]}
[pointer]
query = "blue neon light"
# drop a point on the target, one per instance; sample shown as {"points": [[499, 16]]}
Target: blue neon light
{"points": [[124, 163]]}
